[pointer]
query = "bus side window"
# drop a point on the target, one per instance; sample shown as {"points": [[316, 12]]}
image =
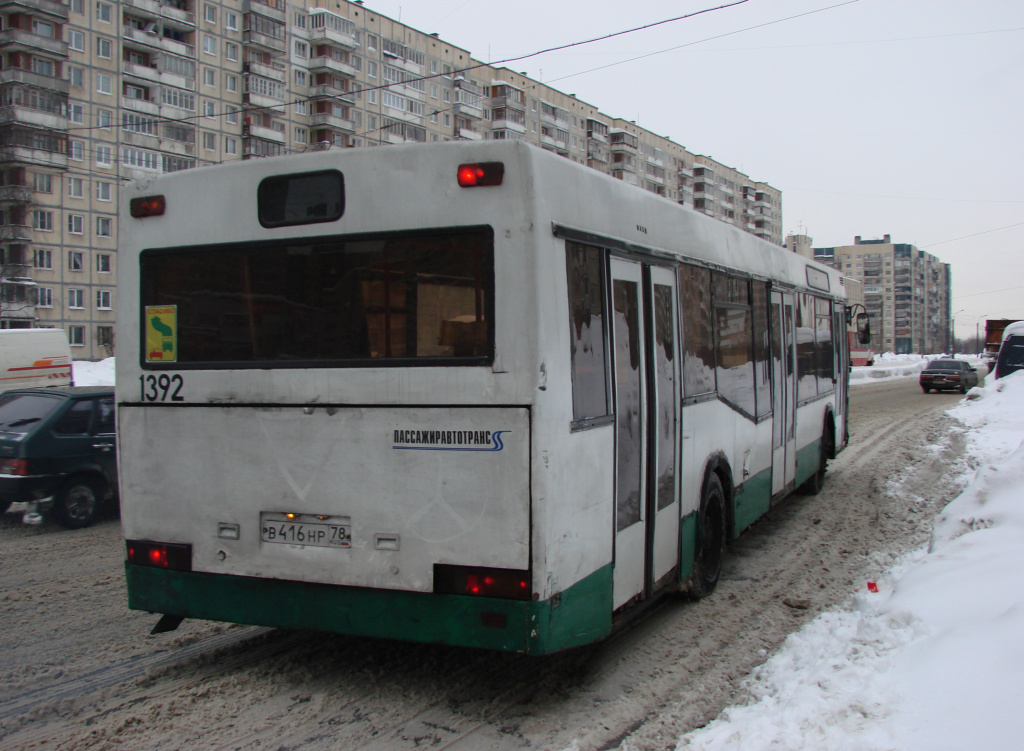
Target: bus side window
{"points": [[588, 336], [698, 334]]}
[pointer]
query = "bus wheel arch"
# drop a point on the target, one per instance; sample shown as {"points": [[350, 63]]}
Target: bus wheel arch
{"points": [[816, 481], [714, 522]]}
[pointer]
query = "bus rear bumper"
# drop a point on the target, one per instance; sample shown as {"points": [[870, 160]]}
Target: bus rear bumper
{"points": [[577, 616]]}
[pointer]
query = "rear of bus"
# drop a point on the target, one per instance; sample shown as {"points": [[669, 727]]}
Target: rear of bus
{"points": [[322, 414]]}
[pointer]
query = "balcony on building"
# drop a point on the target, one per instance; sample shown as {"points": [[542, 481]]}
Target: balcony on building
{"points": [[327, 88], [623, 141], [31, 107], [325, 62], [175, 41], [260, 131], [468, 99], [265, 34], [37, 147], [15, 195], [332, 121], [508, 118], [597, 130], [275, 71], [469, 134], [20, 40], [504, 95], [325, 26], [273, 9], [49, 10]]}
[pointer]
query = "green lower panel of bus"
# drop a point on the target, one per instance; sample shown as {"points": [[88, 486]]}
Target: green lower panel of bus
{"points": [[807, 460], [579, 615], [753, 501]]}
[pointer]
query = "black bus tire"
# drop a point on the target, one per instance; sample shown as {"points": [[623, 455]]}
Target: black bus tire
{"points": [[712, 521]]}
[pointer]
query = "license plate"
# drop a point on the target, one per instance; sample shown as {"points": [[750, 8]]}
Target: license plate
{"points": [[322, 531]]}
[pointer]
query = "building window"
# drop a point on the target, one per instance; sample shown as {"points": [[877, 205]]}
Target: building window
{"points": [[231, 51], [105, 336], [209, 109], [371, 69], [231, 21], [76, 40], [210, 141], [76, 222], [104, 226], [76, 113], [44, 297], [104, 119], [42, 220], [42, 66], [76, 335], [104, 191], [75, 260], [301, 135], [76, 77], [76, 187], [209, 45], [230, 82], [301, 78], [103, 263], [371, 42], [231, 115], [210, 13], [104, 48], [103, 12], [230, 146], [76, 150], [43, 258], [76, 299], [301, 49], [78, 6], [300, 20], [42, 183], [209, 77], [103, 83], [104, 156], [103, 299], [300, 107]]}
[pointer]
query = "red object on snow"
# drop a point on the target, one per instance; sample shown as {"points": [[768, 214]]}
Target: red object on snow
{"points": [[872, 587]]}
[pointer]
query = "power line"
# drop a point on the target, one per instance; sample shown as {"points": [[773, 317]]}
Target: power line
{"points": [[706, 39], [466, 69], [983, 232]]}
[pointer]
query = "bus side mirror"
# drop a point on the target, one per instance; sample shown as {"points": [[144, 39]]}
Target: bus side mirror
{"points": [[863, 328]]}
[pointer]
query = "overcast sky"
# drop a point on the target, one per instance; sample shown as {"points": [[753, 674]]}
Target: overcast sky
{"points": [[873, 117]]}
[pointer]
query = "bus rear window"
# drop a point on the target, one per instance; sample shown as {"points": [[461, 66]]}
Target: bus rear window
{"points": [[409, 298]]}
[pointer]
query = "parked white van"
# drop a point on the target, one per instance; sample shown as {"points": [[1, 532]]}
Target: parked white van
{"points": [[34, 357]]}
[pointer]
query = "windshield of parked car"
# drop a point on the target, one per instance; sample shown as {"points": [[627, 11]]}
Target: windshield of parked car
{"points": [[20, 412], [944, 365]]}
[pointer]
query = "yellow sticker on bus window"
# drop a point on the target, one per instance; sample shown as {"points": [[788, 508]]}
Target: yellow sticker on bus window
{"points": [[161, 333]]}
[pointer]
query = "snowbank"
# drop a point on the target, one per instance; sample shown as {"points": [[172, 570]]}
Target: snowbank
{"points": [[890, 367], [87, 373], [932, 660]]}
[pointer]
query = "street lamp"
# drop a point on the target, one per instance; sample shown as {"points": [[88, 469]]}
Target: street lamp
{"points": [[952, 345]]}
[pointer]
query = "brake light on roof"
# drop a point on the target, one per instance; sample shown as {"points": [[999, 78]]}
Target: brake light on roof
{"points": [[171, 556], [483, 173], [147, 206]]}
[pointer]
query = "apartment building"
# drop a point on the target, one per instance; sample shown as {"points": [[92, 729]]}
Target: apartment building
{"points": [[97, 92], [907, 293]]}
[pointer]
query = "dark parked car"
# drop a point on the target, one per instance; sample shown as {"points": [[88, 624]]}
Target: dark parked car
{"points": [[948, 374], [58, 448]]}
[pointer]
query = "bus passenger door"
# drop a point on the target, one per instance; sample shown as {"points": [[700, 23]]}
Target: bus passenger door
{"points": [[783, 392], [663, 416], [629, 370]]}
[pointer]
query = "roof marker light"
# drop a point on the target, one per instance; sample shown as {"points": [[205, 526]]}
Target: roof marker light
{"points": [[483, 173], [147, 206]]}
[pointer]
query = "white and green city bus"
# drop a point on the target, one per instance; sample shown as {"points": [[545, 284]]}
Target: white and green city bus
{"points": [[467, 393]]}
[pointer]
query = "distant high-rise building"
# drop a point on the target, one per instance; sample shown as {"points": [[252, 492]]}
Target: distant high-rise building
{"points": [[96, 93], [907, 293]]}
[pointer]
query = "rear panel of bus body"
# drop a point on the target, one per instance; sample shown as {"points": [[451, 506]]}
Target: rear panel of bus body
{"points": [[389, 499]]}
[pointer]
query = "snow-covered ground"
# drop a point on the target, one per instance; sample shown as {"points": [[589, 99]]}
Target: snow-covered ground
{"points": [[930, 654]]}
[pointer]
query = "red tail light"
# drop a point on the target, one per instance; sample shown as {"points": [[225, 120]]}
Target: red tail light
{"points": [[171, 556], [507, 584], [14, 467], [147, 206], [484, 173]]}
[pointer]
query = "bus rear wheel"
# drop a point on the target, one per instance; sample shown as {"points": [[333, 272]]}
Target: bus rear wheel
{"points": [[711, 538]]}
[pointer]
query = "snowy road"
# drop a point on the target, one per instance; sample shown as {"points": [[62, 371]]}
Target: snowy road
{"points": [[79, 671]]}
